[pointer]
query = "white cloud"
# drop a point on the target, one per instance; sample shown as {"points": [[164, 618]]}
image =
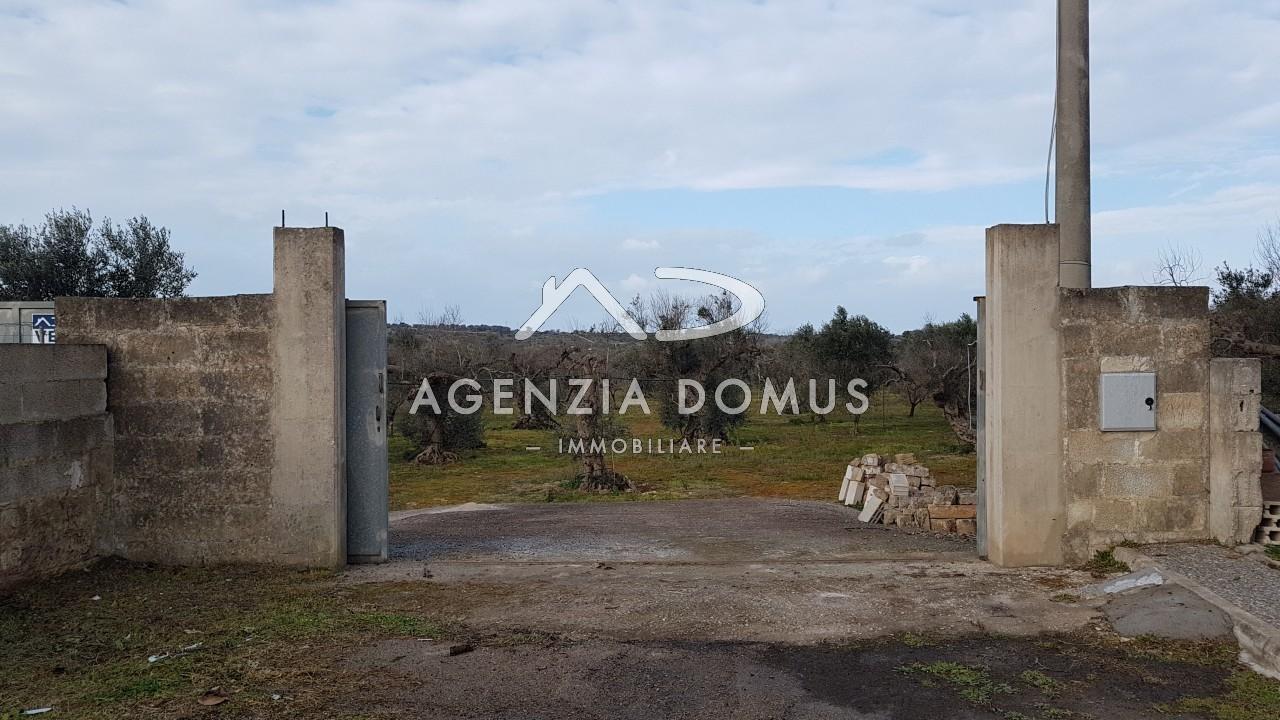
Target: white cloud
{"points": [[446, 134], [1255, 204], [501, 99], [634, 284], [908, 268], [632, 243]]}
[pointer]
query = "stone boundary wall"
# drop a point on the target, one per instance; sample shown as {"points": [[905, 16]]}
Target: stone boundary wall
{"points": [[55, 457], [1144, 487], [230, 432], [1057, 487], [1235, 449], [225, 440], [190, 388]]}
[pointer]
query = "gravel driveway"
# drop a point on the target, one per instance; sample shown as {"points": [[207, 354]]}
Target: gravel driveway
{"points": [[690, 531]]}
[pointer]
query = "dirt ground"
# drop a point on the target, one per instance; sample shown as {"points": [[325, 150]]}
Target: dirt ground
{"points": [[717, 609], [755, 608], [717, 570], [961, 678]]}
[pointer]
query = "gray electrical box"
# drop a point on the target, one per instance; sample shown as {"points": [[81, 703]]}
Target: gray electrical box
{"points": [[1128, 401]]}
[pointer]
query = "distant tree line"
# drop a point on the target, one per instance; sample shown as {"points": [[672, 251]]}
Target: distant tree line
{"points": [[68, 255], [933, 364]]}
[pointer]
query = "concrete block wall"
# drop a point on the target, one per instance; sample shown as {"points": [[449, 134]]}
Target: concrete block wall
{"points": [[1235, 449], [1134, 486], [55, 457], [190, 385], [230, 431]]}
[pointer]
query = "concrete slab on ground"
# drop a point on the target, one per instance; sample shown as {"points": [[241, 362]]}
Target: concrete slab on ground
{"points": [[1167, 611], [1245, 588]]}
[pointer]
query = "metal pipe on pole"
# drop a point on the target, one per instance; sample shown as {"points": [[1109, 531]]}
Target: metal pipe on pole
{"points": [[1270, 422], [1071, 169]]}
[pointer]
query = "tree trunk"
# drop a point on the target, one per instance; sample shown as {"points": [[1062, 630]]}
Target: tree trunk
{"points": [[433, 452], [596, 476], [958, 419]]}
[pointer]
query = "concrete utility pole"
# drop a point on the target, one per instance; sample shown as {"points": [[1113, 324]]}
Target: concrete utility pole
{"points": [[1072, 194]]}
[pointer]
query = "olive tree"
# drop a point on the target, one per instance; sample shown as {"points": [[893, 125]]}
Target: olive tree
{"points": [[67, 255]]}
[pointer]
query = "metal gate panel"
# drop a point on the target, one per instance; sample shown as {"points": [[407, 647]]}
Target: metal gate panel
{"points": [[366, 431]]}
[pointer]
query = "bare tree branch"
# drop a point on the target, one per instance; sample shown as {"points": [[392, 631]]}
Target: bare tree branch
{"points": [[1269, 250], [1178, 265]]}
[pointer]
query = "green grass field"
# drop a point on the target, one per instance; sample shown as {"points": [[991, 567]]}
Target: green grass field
{"points": [[793, 458]]}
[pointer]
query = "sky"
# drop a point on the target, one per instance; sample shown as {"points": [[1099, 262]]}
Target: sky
{"points": [[828, 153]]}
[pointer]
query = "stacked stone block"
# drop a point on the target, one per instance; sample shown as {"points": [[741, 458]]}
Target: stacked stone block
{"points": [[903, 494]]}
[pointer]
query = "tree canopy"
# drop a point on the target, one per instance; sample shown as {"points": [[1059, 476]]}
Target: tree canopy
{"points": [[69, 256], [851, 346], [1246, 322]]}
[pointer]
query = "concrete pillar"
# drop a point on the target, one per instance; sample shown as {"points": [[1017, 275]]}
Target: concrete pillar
{"points": [[308, 417], [1235, 449], [1073, 203], [1026, 507]]}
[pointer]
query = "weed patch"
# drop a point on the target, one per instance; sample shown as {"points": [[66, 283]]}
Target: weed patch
{"points": [[1049, 712], [1045, 684], [970, 682], [1104, 563], [1249, 696], [913, 640]]}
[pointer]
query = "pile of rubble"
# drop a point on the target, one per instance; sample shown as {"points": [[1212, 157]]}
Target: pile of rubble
{"points": [[903, 493]]}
